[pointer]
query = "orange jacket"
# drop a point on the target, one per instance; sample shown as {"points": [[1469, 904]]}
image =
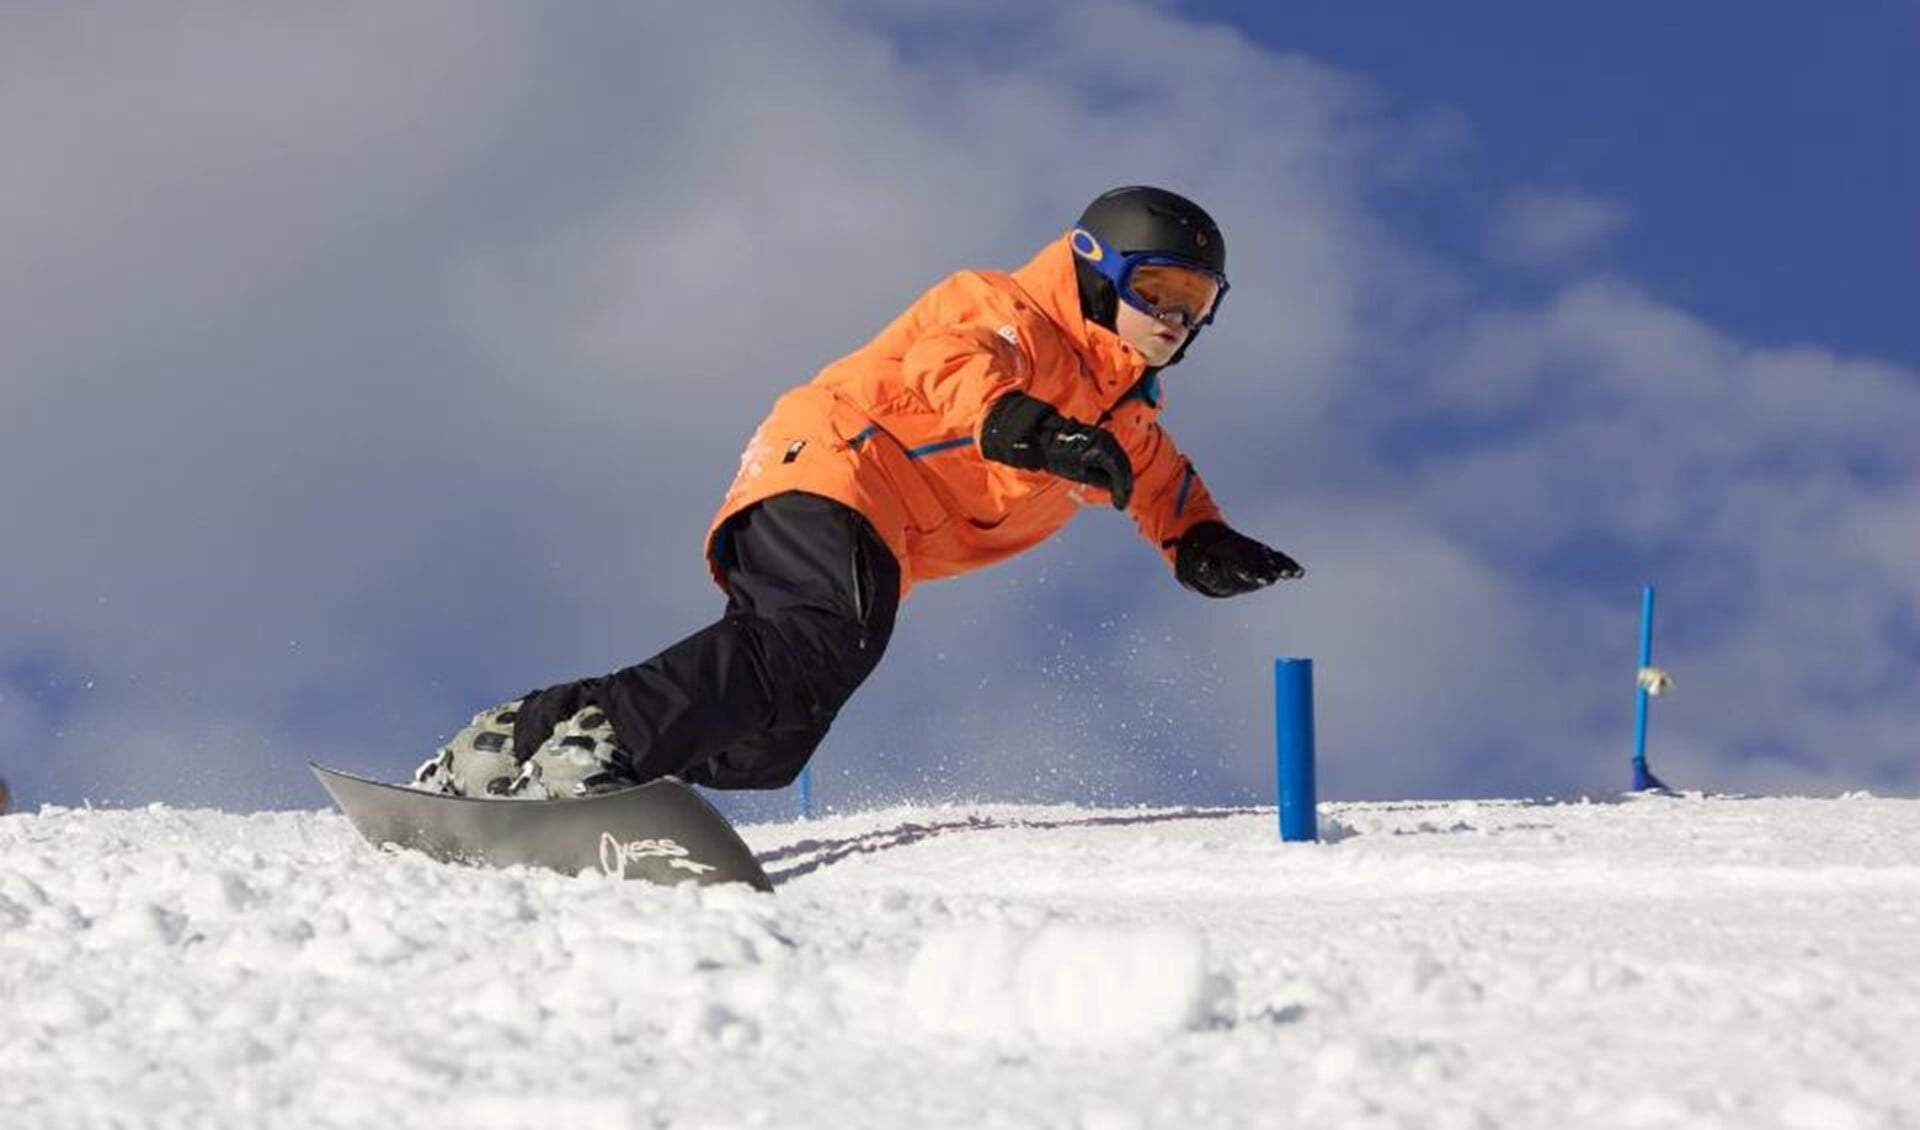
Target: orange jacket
{"points": [[893, 429]]}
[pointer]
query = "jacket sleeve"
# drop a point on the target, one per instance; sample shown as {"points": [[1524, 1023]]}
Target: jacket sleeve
{"points": [[1168, 496], [961, 370]]}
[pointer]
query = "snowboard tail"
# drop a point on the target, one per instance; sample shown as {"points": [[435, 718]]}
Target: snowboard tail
{"points": [[659, 832]]}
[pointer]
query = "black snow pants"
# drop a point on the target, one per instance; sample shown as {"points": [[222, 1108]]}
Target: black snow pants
{"points": [[743, 703]]}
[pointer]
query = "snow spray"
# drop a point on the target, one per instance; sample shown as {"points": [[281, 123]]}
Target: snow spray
{"points": [[1293, 752]]}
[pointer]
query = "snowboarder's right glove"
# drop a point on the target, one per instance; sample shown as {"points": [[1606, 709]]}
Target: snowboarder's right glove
{"points": [[1214, 560], [1027, 433]]}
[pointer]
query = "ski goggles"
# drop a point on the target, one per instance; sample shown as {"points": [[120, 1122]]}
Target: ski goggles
{"points": [[1164, 287]]}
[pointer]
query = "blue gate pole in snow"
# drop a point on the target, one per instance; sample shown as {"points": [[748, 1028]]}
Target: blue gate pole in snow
{"points": [[806, 793], [1643, 778], [1293, 753]]}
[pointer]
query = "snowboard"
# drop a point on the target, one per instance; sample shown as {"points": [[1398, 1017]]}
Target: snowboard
{"points": [[659, 832]]}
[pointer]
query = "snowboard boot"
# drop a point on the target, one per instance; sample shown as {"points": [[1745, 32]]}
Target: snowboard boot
{"points": [[479, 761], [580, 758]]}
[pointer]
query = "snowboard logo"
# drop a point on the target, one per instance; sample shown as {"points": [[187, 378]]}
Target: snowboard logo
{"points": [[615, 855]]}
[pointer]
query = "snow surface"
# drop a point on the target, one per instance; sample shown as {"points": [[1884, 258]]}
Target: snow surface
{"points": [[1696, 962]]}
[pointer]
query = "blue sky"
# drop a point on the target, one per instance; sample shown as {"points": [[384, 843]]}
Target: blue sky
{"points": [[1769, 153], [366, 367]]}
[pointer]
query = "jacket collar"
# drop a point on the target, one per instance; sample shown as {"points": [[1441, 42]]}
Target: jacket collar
{"points": [[1050, 280]]}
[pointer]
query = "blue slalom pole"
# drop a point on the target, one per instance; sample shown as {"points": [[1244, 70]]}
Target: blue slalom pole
{"points": [[1643, 778], [1293, 753], [806, 793]]}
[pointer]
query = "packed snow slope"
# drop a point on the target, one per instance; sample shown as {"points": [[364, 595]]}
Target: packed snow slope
{"points": [[1672, 961]]}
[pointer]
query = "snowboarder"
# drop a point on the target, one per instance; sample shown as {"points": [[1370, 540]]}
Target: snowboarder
{"points": [[971, 429]]}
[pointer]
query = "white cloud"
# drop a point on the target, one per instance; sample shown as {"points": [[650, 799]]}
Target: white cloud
{"points": [[1542, 229], [1767, 491]]}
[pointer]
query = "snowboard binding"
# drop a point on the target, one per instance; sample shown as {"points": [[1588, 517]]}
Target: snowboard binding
{"points": [[580, 758]]}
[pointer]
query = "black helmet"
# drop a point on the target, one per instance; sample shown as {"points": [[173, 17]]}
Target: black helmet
{"points": [[1141, 221]]}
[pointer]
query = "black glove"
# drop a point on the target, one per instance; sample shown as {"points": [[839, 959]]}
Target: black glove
{"points": [[1027, 433], [542, 710], [1213, 560]]}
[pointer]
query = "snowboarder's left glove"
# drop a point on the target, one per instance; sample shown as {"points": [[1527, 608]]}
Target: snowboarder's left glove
{"points": [[540, 711], [1027, 433], [1214, 560]]}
